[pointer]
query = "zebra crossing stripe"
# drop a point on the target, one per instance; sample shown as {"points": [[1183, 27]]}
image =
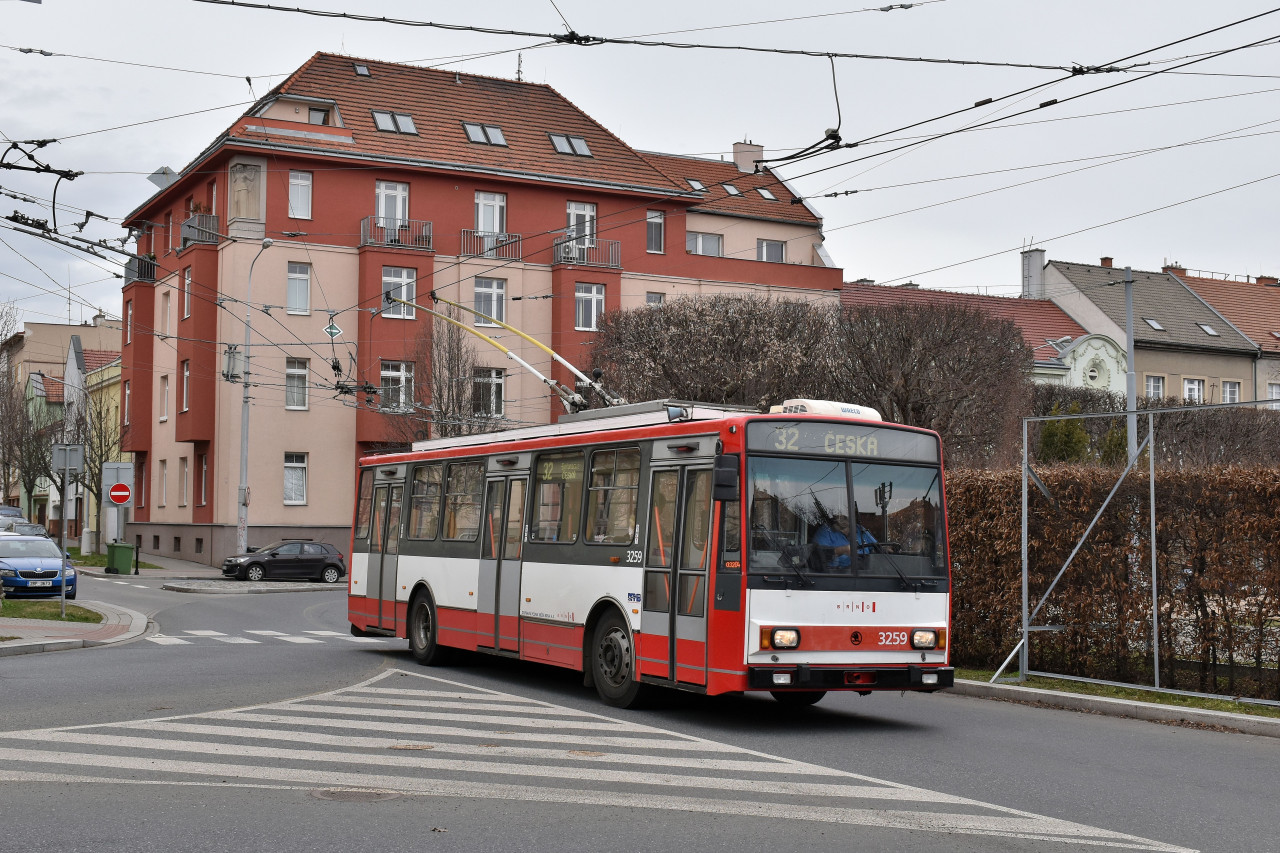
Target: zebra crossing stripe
{"points": [[162, 640]]}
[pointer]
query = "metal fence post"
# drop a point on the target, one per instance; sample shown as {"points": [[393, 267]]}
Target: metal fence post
{"points": [[1026, 620], [1155, 596]]}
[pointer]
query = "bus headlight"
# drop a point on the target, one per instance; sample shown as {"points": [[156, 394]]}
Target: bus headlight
{"points": [[784, 638], [924, 638]]}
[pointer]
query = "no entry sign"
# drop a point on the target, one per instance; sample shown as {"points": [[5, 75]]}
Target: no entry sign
{"points": [[120, 493]]}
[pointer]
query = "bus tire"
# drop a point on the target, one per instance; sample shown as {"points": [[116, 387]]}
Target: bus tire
{"points": [[613, 663], [424, 631], [798, 698]]}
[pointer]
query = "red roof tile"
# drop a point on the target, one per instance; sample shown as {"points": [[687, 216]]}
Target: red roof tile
{"points": [[439, 102], [1252, 308], [714, 174], [95, 358], [1040, 320], [52, 386]]}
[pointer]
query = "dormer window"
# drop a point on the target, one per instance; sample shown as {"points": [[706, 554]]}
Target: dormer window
{"points": [[1208, 330], [697, 185], [394, 122], [316, 115], [484, 134], [766, 195], [1155, 324], [362, 70], [575, 145]]}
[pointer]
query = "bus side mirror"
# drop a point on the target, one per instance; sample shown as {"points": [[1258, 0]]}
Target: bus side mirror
{"points": [[725, 486]]}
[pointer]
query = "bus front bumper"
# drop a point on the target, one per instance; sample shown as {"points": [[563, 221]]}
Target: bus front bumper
{"points": [[803, 677]]}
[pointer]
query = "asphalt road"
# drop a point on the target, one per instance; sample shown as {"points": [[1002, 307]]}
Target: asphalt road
{"points": [[256, 722]]}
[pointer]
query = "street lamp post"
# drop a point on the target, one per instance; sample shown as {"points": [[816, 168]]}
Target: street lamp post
{"points": [[242, 521]]}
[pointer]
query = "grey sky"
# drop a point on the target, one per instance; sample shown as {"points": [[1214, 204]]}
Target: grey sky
{"points": [[699, 102]]}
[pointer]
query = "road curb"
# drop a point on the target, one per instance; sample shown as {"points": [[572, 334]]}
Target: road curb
{"points": [[212, 587], [112, 615], [1150, 711]]}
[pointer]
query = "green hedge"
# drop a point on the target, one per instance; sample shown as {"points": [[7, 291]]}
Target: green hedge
{"points": [[1218, 572]]}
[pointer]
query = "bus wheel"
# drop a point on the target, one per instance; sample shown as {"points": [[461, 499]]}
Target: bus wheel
{"points": [[798, 698], [423, 631], [613, 663]]}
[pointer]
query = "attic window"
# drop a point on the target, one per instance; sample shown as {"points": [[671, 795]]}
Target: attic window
{"points": [[1208, 330], [732, 190], [697, 185], [394, 122], [317, 115], [765, 194], [1276, 335], [574, 145], [484, 134], [362, 70], [1153, 324]]}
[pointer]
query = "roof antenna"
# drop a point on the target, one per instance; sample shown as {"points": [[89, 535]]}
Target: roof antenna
{"points": [[519, 67], [249, 80], [457, 78]]}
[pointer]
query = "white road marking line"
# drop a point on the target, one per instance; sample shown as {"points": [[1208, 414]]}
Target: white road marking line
{"points": [[448, 704], [501, 722], [240, 640], [1019, 826], [140, 586], [205, 633], [122, 583], [326, 633], [426, 761], [162, 640], [267, 633], [363, 639], [289, 639]]}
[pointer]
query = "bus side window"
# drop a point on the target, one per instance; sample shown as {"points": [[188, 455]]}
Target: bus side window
{"points": [[424, 502], [611, 498], [462, 501], [557, 490], [364, 504]]}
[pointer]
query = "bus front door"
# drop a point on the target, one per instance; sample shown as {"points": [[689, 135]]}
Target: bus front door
{"points": [[501, 536], [384, 551], [673, 622]]}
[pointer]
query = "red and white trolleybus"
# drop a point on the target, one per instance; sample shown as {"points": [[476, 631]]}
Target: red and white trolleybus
{"points": [[685, 545]]}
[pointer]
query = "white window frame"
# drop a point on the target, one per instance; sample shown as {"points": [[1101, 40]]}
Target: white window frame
{"points": [[696, 184], [580, 218], [694, 242], [204, 478], [389, 122], [732, 190], [1231, 390], [488, 386], [1149, 381], [186, 384], [186, 292], [183, 473], [484, 134], [491, 209], [400, 282], [654, 298], [1199, 386], [762, 250], [655, 227], [297, 292], [297, 463], [295, 384], [318, 112], [299, 195], [1273, 393], [391, 203], [128, 400], [164, 398], [396, 387], [166, 307], [766, 194], [588, 305], [128, 322], [163, 480], [491, 299]]}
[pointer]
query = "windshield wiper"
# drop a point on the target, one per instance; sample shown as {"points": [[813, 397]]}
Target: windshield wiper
{"points": [[913, 585]]}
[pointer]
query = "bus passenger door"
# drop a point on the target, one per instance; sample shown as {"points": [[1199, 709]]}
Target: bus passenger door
{"points": [[384, 551], [673, 622], [502, 538]]}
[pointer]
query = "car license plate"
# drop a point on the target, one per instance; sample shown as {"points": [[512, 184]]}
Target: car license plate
{"points": [[39, 583]]}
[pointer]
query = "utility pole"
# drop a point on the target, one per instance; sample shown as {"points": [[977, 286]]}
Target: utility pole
{"points": [[1130, 377], [242, 522]]}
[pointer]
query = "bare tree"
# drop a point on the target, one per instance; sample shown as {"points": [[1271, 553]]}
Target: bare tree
{"points": [[444, 389], [38, 429], [95, 423], [10, 403], [949, 368], [746, 350]]}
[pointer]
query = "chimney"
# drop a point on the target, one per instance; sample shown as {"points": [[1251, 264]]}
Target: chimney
{"points": [[1033, 273], [98, 319], [1106, 261], [865, 281], [1175, 268], [1268, 280], [745, 155], [910, 285]]}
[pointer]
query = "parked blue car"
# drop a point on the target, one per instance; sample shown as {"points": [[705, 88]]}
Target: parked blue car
{"points": [[33, 565]]}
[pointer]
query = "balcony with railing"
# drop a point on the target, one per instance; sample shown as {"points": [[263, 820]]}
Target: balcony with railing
{"points": [[139, 269], [491, 244], [398, 233], [201, 228], [587, 251]]}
